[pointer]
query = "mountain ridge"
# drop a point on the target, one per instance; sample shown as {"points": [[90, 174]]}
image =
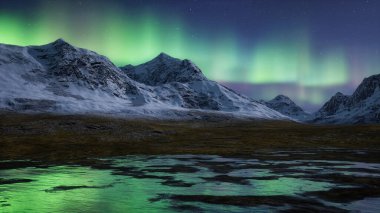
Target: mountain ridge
{"points": [[363, 106], [60, 78], [164, 69]]}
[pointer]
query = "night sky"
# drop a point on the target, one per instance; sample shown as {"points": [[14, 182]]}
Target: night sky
{"points": [[305, 49]]}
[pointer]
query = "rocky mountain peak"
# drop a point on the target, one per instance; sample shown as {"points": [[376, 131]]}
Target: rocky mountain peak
{"points": [[286, 106], [366, 89], [164, 57], [60, 45], [336, 102], [339, 96], [60, 41], [282, 98], [165, 69], [363, 106], [72, 65]]}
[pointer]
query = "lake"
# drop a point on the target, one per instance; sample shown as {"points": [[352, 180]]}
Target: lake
{"points": [[192, 183]]}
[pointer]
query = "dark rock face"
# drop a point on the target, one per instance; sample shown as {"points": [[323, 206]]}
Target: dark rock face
{"points": [[363, 106], [201, 101]]}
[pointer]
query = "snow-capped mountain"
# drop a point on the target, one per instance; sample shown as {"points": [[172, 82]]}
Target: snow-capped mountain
{"points": [[286, 106], [59, 77], [363, 106], [63, 78], [182, 84], [165, 69]]}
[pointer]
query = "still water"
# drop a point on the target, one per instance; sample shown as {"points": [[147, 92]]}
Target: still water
{"points": [[189, 183]]}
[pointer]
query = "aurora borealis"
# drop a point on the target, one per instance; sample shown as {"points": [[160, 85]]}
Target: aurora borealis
{"points": [[304, 49]]}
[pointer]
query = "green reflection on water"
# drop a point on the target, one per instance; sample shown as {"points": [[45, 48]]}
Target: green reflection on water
{"points": [[128, 194], [106, 192]]}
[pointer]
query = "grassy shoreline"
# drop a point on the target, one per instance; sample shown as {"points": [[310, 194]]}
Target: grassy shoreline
{"points": [[74, 137]]}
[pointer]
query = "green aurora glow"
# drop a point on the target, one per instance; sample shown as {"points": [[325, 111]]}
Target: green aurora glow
{"points": [[134, 40]]}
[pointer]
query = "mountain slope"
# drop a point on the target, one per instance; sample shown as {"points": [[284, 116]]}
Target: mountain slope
{"points": [[61, 78], [286, 106], [363, 106]]}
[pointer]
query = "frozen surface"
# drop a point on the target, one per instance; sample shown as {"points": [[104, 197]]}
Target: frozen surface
{"points": [[172, 183]]}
